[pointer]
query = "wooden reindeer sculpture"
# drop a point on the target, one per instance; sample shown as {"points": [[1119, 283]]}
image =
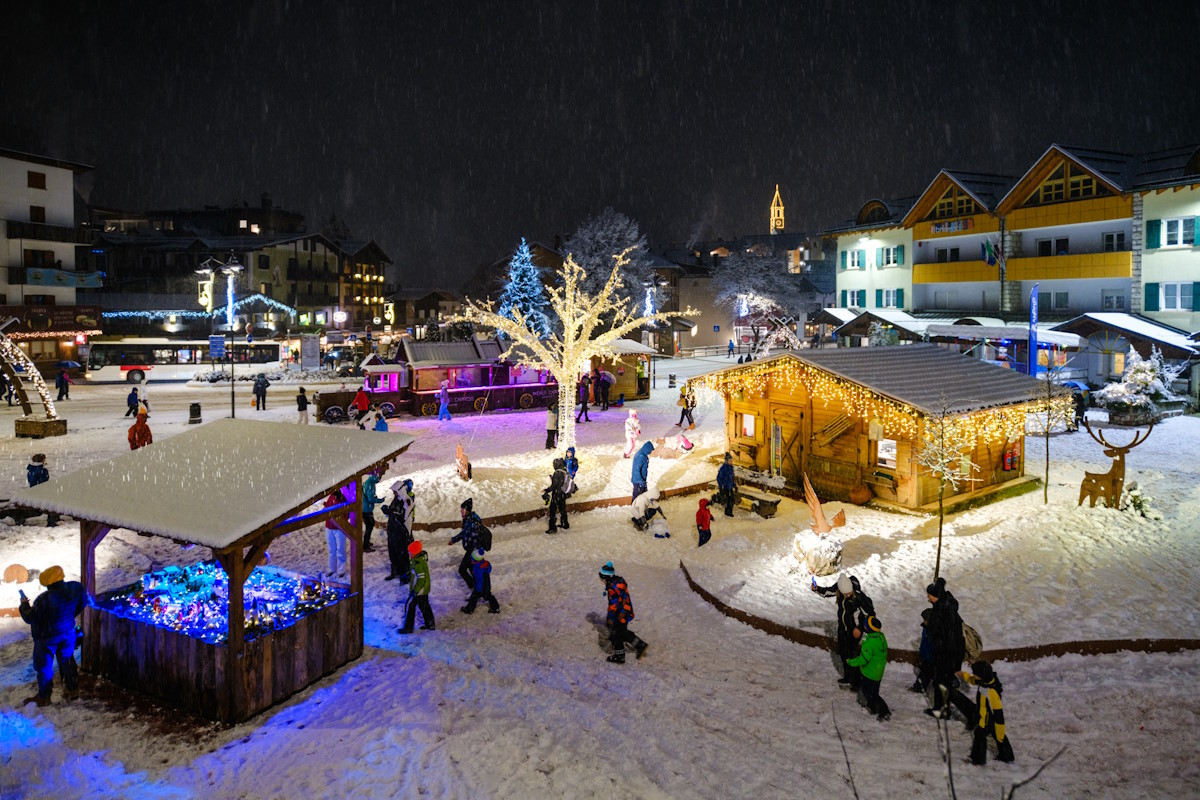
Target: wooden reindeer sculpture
{"points": [[819, 523], [1108, 485]]}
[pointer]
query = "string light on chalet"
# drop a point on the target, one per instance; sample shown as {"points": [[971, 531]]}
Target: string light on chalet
{"points": [[995, 425]]}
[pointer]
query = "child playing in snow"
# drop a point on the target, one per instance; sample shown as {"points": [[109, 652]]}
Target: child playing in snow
{"points": [[572, 467], [633, 429], [620, 614], [645, 506], [418, 590], [871, 661], [989, 713], [482, 570], [704, 522]]}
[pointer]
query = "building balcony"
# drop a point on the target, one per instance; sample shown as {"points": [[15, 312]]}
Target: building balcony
{"points": [[1077, 265], [39, 231], [955, 272]]}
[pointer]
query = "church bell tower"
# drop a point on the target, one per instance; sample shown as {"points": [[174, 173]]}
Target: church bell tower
{"points": [[777, 212]]}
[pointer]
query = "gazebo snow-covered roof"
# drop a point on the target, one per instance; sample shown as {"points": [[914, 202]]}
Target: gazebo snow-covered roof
{"points": [[211, 485], [1140, 332]]}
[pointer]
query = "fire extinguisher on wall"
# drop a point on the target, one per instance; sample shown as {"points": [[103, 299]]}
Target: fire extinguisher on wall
{"points": [[1008, 459]]}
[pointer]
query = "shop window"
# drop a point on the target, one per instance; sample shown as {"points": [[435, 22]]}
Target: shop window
{"points": [[746, 424], [885, 453]]}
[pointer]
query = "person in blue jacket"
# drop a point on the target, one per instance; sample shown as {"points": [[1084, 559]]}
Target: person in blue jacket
{"points": [[641, 469], [131, 402], [482, 570], [726, 485], [52, 617], [35, 473], [369, 501], [572, 467]]}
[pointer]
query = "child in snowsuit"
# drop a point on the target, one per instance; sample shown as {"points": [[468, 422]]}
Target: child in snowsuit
{"points": [[557, 492], [572, 464], [726, 486], [853, 607], [35, 473], [871, 661], [52, 617], [645, 506], [483, 585], [687, 404], [620, 614], [131, 400], [633, 429], [370, 500], [989, 713], [399, 529], [139, 433], [418, 591], [704, 522]]}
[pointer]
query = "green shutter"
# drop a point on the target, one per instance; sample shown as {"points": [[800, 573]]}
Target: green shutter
{"points": [[844, 296], [1150, 293], [879, 298], [878, 256], [1196, 296], [844, 254], [900, 254], [1153, 236], [862, 259], [899, 298], [862, 298]]}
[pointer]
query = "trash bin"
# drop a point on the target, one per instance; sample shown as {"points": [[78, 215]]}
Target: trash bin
{"points": [[194, 414], [670, 381]]}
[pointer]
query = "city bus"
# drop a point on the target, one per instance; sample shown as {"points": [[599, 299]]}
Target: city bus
{"points": [[135, 359]]}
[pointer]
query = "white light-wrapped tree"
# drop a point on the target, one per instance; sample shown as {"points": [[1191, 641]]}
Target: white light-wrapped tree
{"points": [[757, 287], [945, 451], [584, 331], [1053, 408]]}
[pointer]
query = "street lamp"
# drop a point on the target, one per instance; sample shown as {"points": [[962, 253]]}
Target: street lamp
{"points": [[230, 270]]}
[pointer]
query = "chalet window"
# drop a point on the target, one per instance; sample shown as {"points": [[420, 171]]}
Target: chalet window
{"points": [[746, 425], [1053, 247], [947, 254], [1179, 232], [1114, 242], [1081, 186], [889, 256], [36, 180], [1053, 189], [889, 298], [885, 453], [855, 259], [1113, 300], [37, 214], [945, 206], [964, 206], [1176, 297]]}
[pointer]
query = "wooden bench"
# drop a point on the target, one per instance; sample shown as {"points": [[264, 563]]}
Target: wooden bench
{"points": [[884, 479], [762, 503]]}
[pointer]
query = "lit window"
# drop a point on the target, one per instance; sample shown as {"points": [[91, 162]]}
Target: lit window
{"points": [[242, 224], [855, 259], [747, 427]]}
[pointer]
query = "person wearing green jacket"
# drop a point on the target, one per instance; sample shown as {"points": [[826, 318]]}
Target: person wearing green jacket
{"points": [[871, 660], [418, 590]]}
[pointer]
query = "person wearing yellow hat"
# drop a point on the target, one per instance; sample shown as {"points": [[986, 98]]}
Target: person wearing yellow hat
{"points": [[52, 617]]}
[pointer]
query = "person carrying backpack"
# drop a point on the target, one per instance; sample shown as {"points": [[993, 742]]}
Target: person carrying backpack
{"points": [[470, 536]]}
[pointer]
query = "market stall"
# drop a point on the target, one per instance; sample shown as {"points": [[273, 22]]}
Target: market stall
{"points": [[231, 636]]}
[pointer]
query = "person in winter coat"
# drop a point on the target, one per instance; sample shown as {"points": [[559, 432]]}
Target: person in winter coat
{"points": [[572, 464], [63, 384], [139, 433], [335, 540], [640, 477], [704, 522], [633, 429], [1080, 406], [469, 536], [363, 403], [302, 407], [556, 494], [5, 387], [400, 513], [645, 507], [687, 403], [131, 403], [35, 473], [444, 402], [418, 590], [620, 614], [369, 501], [585, 385], [482, 570], [727, 485], [260, 392], [381, 425], [853, 607], [870, 662], [730, 351], [948, 648], [551, 425], [602, 385], [924, 657], [988, 718], [52, 618]]}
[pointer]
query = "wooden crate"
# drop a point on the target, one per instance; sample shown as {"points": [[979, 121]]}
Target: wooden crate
{"points": [[201, 677], [27, 428]]}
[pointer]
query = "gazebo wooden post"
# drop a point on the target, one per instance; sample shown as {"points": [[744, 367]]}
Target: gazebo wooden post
{"points": [[235, 570], [90, 535]]}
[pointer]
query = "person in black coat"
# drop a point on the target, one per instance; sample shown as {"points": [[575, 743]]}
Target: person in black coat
{"points": [[556, 494], [948, 649], [52, 617], [585, 384], [399, 529], [853, 608]]}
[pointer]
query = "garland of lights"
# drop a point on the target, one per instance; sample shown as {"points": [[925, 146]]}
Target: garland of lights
{"points": [[256, 298], [152, 314], [15, 355], [20, 335], [899, 420]]}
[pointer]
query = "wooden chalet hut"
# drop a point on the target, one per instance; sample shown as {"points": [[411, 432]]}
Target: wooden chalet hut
{"points": [[853, 417]]}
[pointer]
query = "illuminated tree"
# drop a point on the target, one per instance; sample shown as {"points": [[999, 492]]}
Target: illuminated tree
{"points": [[585, 331], [945, 451], [756, 286], [1053, 407], [524, 291]]}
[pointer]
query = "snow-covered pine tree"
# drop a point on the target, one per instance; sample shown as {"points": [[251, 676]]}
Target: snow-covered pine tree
{"points": [[433, 331], [524, 291]]}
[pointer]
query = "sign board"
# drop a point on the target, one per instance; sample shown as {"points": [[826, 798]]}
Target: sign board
{"points": [[1033, 318], [310, 351], [216, 347]]}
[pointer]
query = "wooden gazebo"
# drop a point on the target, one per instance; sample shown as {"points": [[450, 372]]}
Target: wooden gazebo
{"points": [[207, 487]]}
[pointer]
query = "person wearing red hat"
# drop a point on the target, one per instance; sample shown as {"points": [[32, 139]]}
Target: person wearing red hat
{"points": [[418, 590], [52, 617]]}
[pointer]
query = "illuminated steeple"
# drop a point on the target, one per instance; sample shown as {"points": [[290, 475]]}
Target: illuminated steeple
{"points": [[777, 212]]}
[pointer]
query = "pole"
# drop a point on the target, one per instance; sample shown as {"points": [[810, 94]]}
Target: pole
{"points": [[232, 382]]}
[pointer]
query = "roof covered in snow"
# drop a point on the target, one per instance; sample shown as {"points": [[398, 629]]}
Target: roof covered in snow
{"points": [[1018, 333], [1173, 342], [219, 482], [474, 351]]}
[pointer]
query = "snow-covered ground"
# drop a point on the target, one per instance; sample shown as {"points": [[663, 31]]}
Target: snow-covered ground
{"points": [[523, 704]]}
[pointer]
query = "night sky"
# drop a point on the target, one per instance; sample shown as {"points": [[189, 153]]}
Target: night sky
{"points": [[446, 130]]}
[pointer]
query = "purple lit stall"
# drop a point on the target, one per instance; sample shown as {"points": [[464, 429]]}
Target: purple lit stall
{"points": [[230, 636]]}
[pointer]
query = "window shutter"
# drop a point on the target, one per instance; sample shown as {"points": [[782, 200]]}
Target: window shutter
{"points": [[862, 260], [1153, 235], [844, 295], [878, 256], [879, 298], [900, 254], [1195, 296], [899, 298], [1151, 295], [844, 255], [862, 298]]}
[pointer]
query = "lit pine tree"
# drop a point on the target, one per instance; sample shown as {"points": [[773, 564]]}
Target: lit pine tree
{"points": [[524, 292]]}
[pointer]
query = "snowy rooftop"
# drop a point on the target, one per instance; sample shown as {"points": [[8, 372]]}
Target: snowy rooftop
{"points": [[216, 483], [1175, 343]]}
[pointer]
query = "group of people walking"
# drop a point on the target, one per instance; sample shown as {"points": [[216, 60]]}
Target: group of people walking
{"points": [[862, 649]]}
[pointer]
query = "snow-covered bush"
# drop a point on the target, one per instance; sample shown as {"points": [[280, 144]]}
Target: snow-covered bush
{"points": [[1137, 502], [1145, 381], [880, 335]]}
